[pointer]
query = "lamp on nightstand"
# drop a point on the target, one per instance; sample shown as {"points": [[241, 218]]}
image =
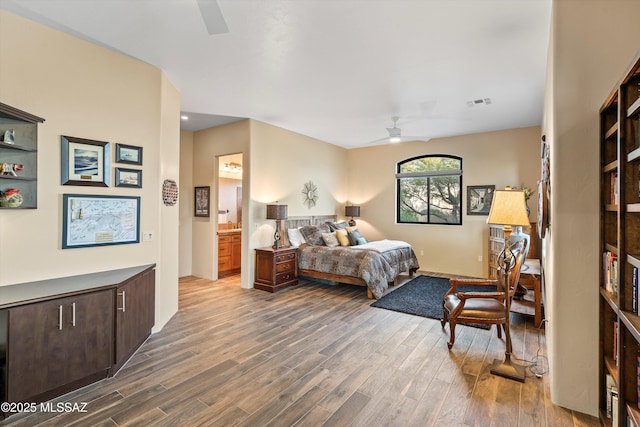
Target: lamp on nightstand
{"points": [[508, 209], [352, 211], [278, 213]]}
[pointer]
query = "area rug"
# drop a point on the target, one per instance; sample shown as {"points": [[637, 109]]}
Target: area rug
{"points": [[423, 295]]}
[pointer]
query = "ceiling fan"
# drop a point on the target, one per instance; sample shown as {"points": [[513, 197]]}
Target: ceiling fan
{"points": [[212, 16], [395, 135]]}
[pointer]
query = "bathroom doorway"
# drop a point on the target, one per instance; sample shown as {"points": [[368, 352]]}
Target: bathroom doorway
{"points": [[229, 205]]}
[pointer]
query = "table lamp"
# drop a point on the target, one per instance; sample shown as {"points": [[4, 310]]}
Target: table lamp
{"points": [[278, 213], [352, 211], [508, 209]]}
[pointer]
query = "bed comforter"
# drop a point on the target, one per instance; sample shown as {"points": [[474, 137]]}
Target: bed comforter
{"points": [[377, 263]]}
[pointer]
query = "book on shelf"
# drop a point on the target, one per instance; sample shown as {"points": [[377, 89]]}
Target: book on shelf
{"points": [[610, 271], [615, 342], [634, 290], [614, 407], [638, 380], [610, 384], [614, 188]]}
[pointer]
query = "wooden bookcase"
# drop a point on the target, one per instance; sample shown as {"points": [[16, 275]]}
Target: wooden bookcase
{"points": [[23, 152], [619, 355]]}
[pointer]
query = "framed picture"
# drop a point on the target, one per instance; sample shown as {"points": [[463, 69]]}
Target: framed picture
{"points": [[128, 178], [90, 220], [84, 162], [479, 199], [128, 154], [202, 207]]}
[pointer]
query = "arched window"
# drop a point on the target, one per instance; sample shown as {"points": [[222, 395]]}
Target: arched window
{"points": [[429, 190]]}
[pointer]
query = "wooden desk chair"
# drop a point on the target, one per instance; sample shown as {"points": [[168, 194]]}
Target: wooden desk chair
{"points": [[481, 306]]}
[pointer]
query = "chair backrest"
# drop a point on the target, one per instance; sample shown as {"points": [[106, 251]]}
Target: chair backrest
{"points": [[519, 250]]}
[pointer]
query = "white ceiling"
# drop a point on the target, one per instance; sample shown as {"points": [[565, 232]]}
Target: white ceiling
{"points": [[333, 70]]}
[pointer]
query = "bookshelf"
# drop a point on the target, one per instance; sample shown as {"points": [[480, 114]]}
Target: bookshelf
{"points": [[619, 353]]}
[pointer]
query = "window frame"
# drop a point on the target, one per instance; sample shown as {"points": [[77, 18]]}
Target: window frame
{"points": [[453, 172]]}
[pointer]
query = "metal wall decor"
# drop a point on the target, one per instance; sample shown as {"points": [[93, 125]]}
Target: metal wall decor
{"points": [[310, 194], [169, 192]]}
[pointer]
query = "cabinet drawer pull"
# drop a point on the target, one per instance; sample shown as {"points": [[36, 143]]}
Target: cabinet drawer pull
{"points": [[59, 317], [124, 301], [73, 314]]}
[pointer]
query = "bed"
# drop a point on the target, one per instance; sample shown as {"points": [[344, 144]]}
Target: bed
{"points": [[374, 264]]}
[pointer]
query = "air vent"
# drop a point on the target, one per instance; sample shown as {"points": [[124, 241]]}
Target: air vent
{"points": [[481, 101]]}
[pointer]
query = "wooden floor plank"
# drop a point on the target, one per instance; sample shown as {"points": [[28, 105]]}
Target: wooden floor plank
{"points": [[311, 355]]}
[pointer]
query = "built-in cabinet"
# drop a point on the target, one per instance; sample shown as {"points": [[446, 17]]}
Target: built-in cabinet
{"points": [[619, 352], [58, 342], [61, 334], [19, 154], [229, 252]]}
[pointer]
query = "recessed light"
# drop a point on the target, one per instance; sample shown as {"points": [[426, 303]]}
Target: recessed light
{"points": [[184, 117]]}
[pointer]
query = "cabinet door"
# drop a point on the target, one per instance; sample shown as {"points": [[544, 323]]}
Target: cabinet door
{"points": [[236, 254], [35, 355], [88, 325], [135, 316], [54, 343]]}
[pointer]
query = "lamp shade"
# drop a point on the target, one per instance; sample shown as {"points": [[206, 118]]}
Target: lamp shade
{"points": [[508, 208], [276, 211], [352, 211]]}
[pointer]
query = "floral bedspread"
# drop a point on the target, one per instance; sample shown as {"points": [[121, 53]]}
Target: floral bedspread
{"points": [[377, 268]]}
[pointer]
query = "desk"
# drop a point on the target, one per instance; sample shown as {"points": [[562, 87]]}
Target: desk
{"points": [[531, 304]]}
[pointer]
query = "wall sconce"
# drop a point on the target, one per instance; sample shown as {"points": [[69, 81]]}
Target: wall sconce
{"points": [[277, 213], [352, 211]]}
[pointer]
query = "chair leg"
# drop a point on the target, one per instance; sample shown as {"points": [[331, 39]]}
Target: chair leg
{"points": [[445, 317], [452, 333], [499, 327]]}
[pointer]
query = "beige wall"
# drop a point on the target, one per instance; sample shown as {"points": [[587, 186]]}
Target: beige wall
{"points": [[593, 42], [502, 158], [208, 145], [90, 92], [186, 204]]}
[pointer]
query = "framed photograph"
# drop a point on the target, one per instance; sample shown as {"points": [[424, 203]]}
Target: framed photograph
{"points": [[128, 154], [479, 199], [90, 220], [202, 207], [128, 178], [84, 162]]}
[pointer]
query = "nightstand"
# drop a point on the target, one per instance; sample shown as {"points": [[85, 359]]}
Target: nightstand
{"points": [[276, 268]]}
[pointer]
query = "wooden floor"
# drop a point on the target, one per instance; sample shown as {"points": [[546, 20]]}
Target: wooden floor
{"points": [[313, 355]]}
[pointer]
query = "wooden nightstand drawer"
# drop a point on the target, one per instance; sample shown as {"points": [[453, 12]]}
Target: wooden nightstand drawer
{"points": [[285, 266], [285, 277], [286, 257]]}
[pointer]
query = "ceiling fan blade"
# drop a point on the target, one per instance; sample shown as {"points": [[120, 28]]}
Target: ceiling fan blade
{"points": [[414, 138], [212, 17]]}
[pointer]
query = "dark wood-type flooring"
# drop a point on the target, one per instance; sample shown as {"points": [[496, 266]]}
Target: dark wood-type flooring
{"points": [[313, 355]]}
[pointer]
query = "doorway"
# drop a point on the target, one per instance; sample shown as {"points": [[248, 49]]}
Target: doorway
{"points": [[229, 208]]}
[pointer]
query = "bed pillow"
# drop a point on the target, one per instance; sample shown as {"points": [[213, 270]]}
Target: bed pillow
{"points": [[295, 238], [355, 237], [333, 226], [330, 239], [313, 234], [342, 237]]}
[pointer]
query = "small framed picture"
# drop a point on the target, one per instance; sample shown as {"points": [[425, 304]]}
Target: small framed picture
{"points": [[128, 178], [128, 154], [202, 207], [479, 199], [84, 162]]}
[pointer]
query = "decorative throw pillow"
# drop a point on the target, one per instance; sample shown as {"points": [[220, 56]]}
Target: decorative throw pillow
{"points": [[342, 237], [333, 226], [295, 238], [330, 239], [355, 238], [313, 234]]}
